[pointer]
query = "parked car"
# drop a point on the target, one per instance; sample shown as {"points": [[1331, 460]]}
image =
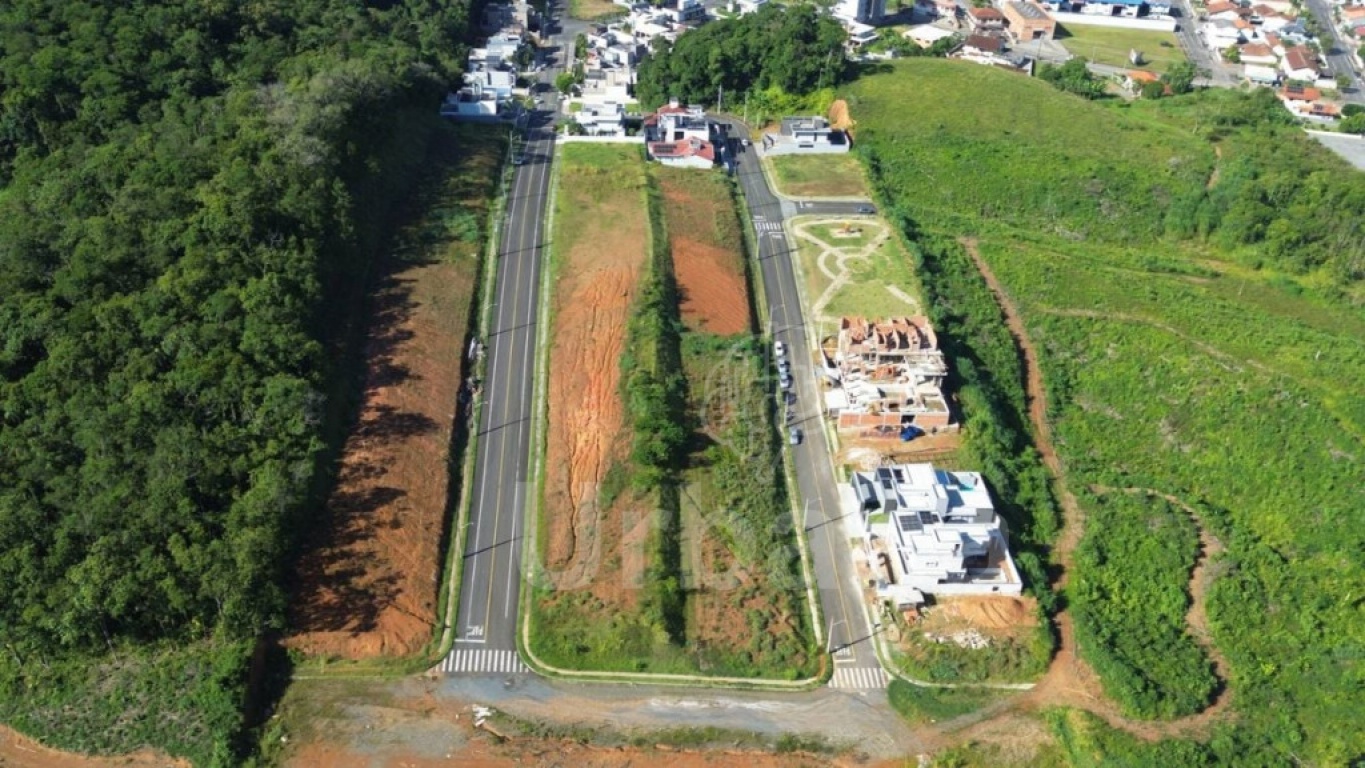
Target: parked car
{"points": [[784, 367], [785, 380], [795, 436], [779, 349]]}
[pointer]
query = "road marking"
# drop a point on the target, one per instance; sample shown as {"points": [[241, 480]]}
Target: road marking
{"points": [[859, 678], [820, 499], [507, 402], [482, 661]]}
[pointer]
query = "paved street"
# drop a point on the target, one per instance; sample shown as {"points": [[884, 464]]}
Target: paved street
{"points": [[846, 625], [487, 621], [1335, 51]]}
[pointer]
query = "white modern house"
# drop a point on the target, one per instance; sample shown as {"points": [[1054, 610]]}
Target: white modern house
{"points": [[930, 531], [605, 119]]}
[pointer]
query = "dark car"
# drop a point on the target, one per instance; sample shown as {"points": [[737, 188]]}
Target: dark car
{"points": [[866, 209]]}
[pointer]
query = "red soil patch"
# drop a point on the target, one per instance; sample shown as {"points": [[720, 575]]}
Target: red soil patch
{"points": [[369, 584], [18, 751], [705, 238], [597, 281], [839, 118]]}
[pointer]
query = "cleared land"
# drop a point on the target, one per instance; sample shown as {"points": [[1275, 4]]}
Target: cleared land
{"points": [[591, 533], [707, 246], [19, 751], [369, 580], [818, 175], [1110, 45]]}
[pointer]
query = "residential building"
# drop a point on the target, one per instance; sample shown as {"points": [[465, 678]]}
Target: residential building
{"points": [[1258, 74], [862, 11], [604, 119], [675, 122], [743, 7], [1220, 34], [985, 20], [1137, 78], [608, 84], [885, 378], [1258, 53], [805, 135], [925, 35], [688, 153], [497, 82], [1300, 63], [680, 136], [1028, 21], [930, 531]]}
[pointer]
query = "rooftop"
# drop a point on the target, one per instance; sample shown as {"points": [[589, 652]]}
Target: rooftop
{"points": [[1029, 10], [683, 149]]}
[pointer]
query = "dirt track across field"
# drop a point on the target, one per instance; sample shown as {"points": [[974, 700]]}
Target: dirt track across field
{"points": [[1069, 681], [603, 236]]}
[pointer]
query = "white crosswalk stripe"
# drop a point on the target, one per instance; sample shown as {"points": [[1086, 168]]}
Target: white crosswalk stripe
{"points": [[858, 678], [482, 661], [768, 226]]}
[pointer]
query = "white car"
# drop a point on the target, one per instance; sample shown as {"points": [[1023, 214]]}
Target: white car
{"points": [[779, 349]]}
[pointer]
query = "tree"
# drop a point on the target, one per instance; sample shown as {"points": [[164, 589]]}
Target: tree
{"points": [[1232, 54], [1343, 81], [1353, 124], [1073, 77], [1180, 77], [1153, 90], [564, 82]]}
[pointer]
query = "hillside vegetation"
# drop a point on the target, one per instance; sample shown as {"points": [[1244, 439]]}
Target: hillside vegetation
{"points": [[192, 196], [1189, 271]]}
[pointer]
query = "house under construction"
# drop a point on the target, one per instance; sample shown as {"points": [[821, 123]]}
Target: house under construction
{"points": [[886, 376]]}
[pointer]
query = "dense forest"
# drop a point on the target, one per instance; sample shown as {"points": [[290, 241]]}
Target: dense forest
{"points": [[190, 194], [794, 49]]}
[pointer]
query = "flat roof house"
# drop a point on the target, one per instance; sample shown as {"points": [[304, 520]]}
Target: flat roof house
{"points": [[930, 531], [806, 136]]}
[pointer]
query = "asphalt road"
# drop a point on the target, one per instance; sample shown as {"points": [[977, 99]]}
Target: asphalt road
{"points": [[1336, 51], [487, 620], [847, 632]]}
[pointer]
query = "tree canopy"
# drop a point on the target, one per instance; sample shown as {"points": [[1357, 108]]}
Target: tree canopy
{"points": [[185, 186], [797, 49]]}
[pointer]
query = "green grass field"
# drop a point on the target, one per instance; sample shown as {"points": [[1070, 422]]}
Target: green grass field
{"points": [[1110, 45], [1199, 337], [818, 175], [594, 10]]}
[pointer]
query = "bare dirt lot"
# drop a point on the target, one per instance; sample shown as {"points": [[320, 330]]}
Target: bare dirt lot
{"points": [[368, 582], [18, 751], [416, 724], [707, 247], [601, 239]]}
